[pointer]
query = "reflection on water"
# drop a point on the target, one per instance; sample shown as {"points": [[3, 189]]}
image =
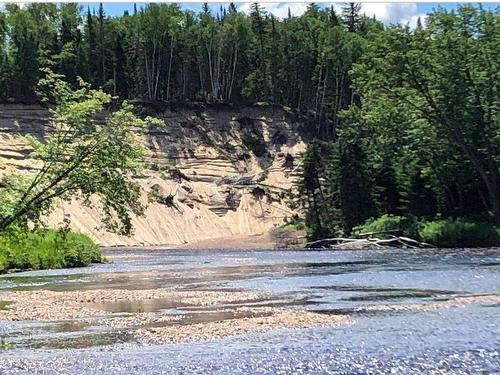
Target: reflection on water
{"points": [[393, 296], [80, 341], [142, 306]]}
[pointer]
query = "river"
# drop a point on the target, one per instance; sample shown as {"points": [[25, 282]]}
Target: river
{"points": [[384, 292]]}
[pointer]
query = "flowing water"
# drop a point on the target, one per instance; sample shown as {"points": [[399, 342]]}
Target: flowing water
{"points": [[361, 284]]}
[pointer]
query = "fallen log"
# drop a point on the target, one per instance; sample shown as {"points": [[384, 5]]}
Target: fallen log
{"points": [[364, 243]]}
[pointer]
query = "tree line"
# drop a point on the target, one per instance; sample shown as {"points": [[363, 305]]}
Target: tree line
{"points": [[424, 140], [161, 52], [402, 121]]}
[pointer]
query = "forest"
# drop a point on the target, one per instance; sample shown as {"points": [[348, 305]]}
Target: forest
{"points": [[403, 123]]}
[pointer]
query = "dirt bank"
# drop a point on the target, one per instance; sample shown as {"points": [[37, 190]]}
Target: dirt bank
{"points": [[202, 181]]}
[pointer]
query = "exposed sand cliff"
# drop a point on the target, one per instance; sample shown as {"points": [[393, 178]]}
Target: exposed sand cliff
{"points": [[227, 169]]}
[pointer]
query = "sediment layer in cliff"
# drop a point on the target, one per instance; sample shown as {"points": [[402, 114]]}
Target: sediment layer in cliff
{"points": [[211, 173]]}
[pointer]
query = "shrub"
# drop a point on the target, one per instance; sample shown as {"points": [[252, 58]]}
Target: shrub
{"points": [[459, 233], [46, 248], [289, 228], [407, 225]]}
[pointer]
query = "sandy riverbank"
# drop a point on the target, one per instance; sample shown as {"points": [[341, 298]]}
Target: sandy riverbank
{"points": [[264, 241], [91, 308]]}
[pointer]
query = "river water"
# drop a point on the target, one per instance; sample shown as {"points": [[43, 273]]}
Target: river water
{"points": [[406, 340]]}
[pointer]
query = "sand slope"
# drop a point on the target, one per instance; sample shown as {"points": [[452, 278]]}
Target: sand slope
{"points": [[203, 157]]}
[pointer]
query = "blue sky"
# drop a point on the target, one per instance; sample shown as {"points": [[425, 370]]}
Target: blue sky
{"points": [[386, 12]]}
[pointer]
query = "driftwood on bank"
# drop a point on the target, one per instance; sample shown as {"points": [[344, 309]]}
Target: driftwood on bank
{"points": [[368, 243]]}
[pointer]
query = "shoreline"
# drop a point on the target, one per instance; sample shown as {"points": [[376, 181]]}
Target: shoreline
{"points": [[248, 242]]}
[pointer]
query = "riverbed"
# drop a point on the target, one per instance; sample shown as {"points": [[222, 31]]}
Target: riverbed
{"points": [[257, 311]]}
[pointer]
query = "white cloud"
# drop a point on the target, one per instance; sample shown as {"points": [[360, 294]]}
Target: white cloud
{"points": [[413, 20], [280, 10], [405, 13], [390, 12]]}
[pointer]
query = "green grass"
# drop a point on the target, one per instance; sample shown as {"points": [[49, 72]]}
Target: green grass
{"points": [[46, 248]]}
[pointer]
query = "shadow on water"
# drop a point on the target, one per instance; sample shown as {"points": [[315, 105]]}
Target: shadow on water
{"points": [[160, 278], [165, 304], [81, 341], [66, 326], [362, 288], [386, 294], [141, 306], [391, 296]]}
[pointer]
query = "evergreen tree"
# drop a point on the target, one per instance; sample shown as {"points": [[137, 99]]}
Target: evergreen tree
{"points": [[333, 18], [25, 53], [419, 24], [232, 8], [4, 59], [351, 16], [357, 203], [102, 48], [91, 48]]}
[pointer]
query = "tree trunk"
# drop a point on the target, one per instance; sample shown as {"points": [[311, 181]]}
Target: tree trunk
{"points": [[170, 66]]}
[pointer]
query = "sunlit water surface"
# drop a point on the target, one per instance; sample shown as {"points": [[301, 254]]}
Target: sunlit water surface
{"points": [[449, 341]]}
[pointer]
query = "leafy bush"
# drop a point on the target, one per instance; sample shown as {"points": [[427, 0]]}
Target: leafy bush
{"points": [[408, 225], [442, 233], [289, 228], [46, 248], [459, 233]]}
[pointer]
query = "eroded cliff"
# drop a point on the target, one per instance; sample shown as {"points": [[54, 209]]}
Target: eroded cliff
{"points": [[211, 173]]}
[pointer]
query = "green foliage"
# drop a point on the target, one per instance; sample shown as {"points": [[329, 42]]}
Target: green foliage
{"points": [[79, 158], [318, 191], [420, 133], [289, 228], [161, 52], [431, 98], [386, 225], [459, 233], [46, 248], [441, 233]]}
